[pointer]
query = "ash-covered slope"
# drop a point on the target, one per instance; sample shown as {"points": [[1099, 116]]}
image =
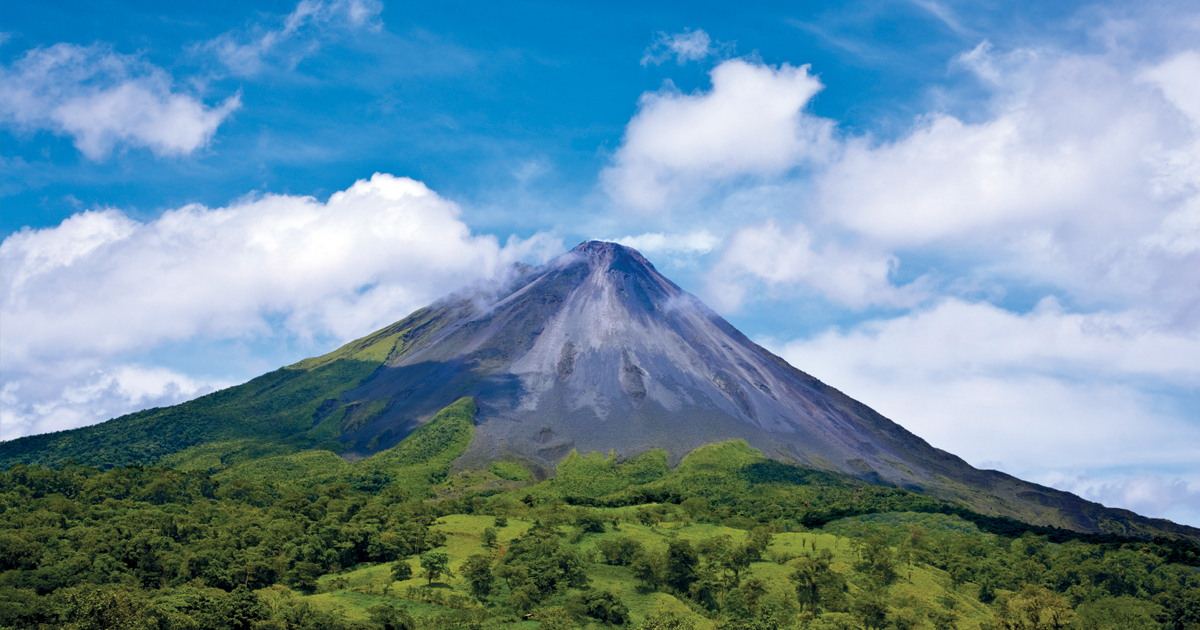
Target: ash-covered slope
{"points": [[597, 351]]}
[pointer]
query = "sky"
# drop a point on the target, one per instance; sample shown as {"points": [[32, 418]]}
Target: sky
{"points": [[980, 218]]}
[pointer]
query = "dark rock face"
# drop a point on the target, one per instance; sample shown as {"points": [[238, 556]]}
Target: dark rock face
{"points": [[596, 351]]}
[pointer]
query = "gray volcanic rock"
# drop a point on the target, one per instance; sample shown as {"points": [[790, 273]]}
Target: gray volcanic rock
{"points": [[596, 350]]}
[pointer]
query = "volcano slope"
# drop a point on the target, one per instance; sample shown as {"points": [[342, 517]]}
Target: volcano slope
{"points": [[594, 351]]}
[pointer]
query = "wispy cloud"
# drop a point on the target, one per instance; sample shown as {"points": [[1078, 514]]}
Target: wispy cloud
{"points": [[684, 47], [690, 243], [298, 35], [946, 16], [103, 99]]}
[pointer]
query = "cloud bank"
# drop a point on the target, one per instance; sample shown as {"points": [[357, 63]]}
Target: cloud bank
{"points": [[80, 297]]}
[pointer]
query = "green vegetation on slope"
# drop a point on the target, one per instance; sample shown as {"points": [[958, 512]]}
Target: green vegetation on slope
{"points": [[290, 409], [307, 540]]}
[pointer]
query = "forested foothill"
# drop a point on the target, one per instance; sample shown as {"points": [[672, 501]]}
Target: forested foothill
{"points": [[727, 539]]}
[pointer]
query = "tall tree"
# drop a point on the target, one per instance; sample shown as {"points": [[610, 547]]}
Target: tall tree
{"points": [[435, 564]]}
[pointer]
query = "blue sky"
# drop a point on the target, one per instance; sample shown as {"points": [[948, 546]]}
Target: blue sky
{"points": [[983, 219]]}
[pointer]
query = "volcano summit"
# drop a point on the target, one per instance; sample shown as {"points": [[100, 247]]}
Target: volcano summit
{"points": [[594, 351]]}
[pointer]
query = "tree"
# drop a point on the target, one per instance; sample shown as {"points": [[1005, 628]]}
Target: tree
{"points": [[817, 584], [602, 605], [619, 551], [905, 619], [1123, 612], [478, 572], [304, 575], [110, 608], [754, 588], [737, 559], [943, 620], [242, 608], [877, 560], [760, 538], [871, 610], [489, 537], [388, 617], [401, 571], [1034, 608], [680, 569], [666, 620], [538, 565], [648, 568], [435, 564], [696, 507], [589, 522]]}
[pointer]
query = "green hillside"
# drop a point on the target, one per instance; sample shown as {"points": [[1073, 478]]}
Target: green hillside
{"points": [[288, 410], [727, 539]]}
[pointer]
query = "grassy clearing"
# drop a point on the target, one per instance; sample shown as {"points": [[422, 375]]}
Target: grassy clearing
{"points": [[920, 588]]}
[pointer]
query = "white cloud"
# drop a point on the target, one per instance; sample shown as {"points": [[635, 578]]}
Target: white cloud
{"points": [[1086, 176], [787, 259], [78, 393], [686, 46], [1166, 496], [297, 36], [691, 243], [1076, 175], [1034, 393], [751, 123], [102, 99], [1073, 140], [101, 285]]}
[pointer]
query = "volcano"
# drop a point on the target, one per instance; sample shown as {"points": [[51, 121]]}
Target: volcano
{"points": [[593, 351], [596, 351]]}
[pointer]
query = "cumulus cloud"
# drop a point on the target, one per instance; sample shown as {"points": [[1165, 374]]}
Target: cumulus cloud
{"points": [[1048, 389], [684, 47], [789, 259], [1073, 138], [1075, 174], [297, 35], [102, 98], [1085, 176], [102, 285], [751, 123], [78, 393]]}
